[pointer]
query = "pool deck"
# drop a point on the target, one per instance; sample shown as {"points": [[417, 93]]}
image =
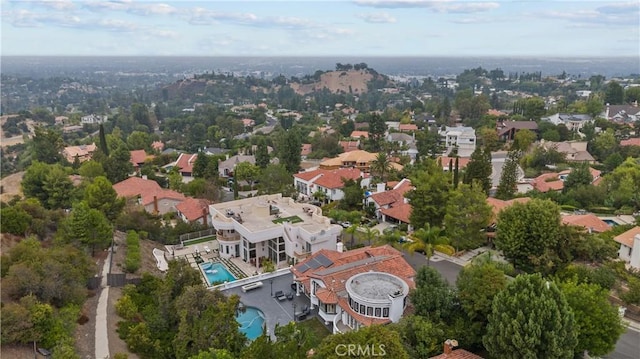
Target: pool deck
{"points": [[275, 312]]}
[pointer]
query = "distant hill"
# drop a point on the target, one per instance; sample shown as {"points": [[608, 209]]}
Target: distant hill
{"points": [[349, 81]]}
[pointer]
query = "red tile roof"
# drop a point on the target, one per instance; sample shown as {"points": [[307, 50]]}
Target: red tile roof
{"points": [[626, 238], [138, 157], [400, 211], [333, 179], [630, 142], [589, 221], [358, 134], [193, 208], [457, 354], [498, 205], [392, 196], [349, 145], [145, 189], [306, 149], [157, 145], [407, 127], [462, 162], [548, 182], [327, 296], [185, 162]]}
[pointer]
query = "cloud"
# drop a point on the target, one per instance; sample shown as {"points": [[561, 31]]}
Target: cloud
{"points": [[377, 18], [472, 20], [439, 6], [63, 5], [594, 18], [152, 9], [628, 8]]}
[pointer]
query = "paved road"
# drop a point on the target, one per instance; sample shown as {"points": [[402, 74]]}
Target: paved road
{"points": [[628, 346], [102, 332]]}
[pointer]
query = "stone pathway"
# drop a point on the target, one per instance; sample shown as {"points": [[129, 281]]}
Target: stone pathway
{"points": [[102, 332]]}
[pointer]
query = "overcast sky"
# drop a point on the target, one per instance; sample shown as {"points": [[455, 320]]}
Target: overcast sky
{"points": [[317, 28]]}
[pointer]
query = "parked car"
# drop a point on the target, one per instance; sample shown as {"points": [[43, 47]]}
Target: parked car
{"points": [[346, 224]]}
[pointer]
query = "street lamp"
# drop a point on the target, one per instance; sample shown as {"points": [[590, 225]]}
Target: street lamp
{"points": [[271, 282]]}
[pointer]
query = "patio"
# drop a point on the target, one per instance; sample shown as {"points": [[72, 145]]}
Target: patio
{"points": [[275, 311]]}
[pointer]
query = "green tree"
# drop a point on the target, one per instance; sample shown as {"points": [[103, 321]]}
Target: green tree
{"points": [[597, 321], [422, 338], [425, 240], [275, 179], [375, 340], [58, 188], [489, 139], [467, 215], [532, 237], [33, 181], [381, 166], [353, 195], [429, 197], [289, 151], [432, 298], [102, 145], [605, 144], [523, 139], [579, 176], [377, 129], [479, 169], [200, 165], [507, 186], [47, 145], [246, 171], [632, 94], [623, 184], [90, 170], [100, 195], [88, 227], [614, 94], [530, 319], [477, 286], [428, 143], [14, 220], [139, 140], [262, 154]]}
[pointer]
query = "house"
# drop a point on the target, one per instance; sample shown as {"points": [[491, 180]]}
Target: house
{"points": [[574, 151], [461, 138], [149, 194], [630, 247], [498, 160], [93, 119], [194, 210], [329, 182], [348, 146], [621, 113], [359, 159], [226, 167], [445, 160], [407, 143], [383, 201], [450, 353], [553, 181], [185, 165], [357, 134], [497, 205], [138, 158], [574, 122], [408, 127], [305, 151], [247, 122], [357, 288], [273, 227], [630, 142], [508, 129], [82, 152], [157, 146], [588, 221]]}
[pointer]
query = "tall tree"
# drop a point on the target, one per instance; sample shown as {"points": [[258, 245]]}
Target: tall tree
{"points": [[262, 154], [479, 169], [246, 171], [200, 165], [87, 227], [579, 176], [467, 215], [614, 94], [532, 237], [47, 145], [597, 321], [426, 239], [433, 297], [59, 188], [100, 195], [103, 141], [429, 197], [381, 166], [377, 129], [523, 139], [623, 184], [275, 179], [428, 143], [530, 318], [509, 177], [289, 151]]}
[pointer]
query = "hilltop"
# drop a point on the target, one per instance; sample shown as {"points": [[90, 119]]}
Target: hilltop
{"points": [[349, 81]]}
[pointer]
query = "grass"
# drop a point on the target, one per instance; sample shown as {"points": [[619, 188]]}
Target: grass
{"points": [[201, 240], [292, 219], [317, 329]]}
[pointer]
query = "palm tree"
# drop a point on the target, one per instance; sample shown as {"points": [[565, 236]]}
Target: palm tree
{"points": [[426, 239], [351, 230], [370, 234], [381, 166]]}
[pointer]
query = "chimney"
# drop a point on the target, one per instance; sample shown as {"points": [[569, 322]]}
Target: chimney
{"points": [[449, 344], [340, 247], [205, 220], [155, 205], [144, 177], [380, 187]]}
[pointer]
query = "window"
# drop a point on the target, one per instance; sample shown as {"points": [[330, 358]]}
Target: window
{"points": [[385, 312], [362, 308], [378, 310], [369, 311], [630, 250]]}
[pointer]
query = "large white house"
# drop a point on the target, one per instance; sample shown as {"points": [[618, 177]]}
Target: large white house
{"points": [[271, 227], [328, 182], [462, 138], [93, 119], [357, 288], [630, 247]]}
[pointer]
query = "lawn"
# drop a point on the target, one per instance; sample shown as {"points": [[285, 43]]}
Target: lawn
{"points": [[292, 219], [318, 330], [201, 240]]}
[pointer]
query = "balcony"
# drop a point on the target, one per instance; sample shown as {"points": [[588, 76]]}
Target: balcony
{"points": [[339, 326], [227, 238]]}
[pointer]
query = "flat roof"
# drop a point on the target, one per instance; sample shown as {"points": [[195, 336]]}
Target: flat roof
{"points": [[376, 285]]}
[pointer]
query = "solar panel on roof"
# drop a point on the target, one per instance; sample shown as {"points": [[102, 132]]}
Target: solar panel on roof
{"points": [[313, 263], [303, 268], [324, 261]]}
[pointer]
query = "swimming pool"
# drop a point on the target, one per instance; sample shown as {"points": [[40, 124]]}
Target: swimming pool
{"points": [[251, 322], [216, 273], [610, 222]]}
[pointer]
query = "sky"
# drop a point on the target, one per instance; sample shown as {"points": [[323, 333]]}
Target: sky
{"points": [[321, 28]]}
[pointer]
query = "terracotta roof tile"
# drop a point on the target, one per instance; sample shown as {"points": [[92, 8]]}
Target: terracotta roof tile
{"points": [[138, 157], [407, 127], [157, 145], [145, 189], [333, 179], [185, 162], [626, 238], [348, 146], [630, 142], [306, 149], [589, 221], [394, 195], [193, 208], [327, 296], [462, 162], [545, 182], [400, 211], [457, 354], [358, 134], [498, 205]]}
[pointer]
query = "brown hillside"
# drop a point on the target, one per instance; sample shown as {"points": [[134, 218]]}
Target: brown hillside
{"points": [[354, 81]]}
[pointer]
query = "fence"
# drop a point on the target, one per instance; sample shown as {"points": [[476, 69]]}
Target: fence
{"points": [[255, 278], [120, 280], [185, 238], [94, 283]]}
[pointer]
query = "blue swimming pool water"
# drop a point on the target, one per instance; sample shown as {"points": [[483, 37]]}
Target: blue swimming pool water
{"points": [[610, 222], [251, 322], [216, 272]]}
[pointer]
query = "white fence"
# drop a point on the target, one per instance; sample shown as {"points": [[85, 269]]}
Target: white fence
{"points": [[185, 238], [255, 278]]}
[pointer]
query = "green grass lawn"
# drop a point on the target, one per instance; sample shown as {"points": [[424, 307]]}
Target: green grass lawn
{"points": [[201, 240], [318, 330], [292, 219]]}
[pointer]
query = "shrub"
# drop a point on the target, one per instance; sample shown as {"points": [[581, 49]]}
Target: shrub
{"points": [[132, 260]]}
